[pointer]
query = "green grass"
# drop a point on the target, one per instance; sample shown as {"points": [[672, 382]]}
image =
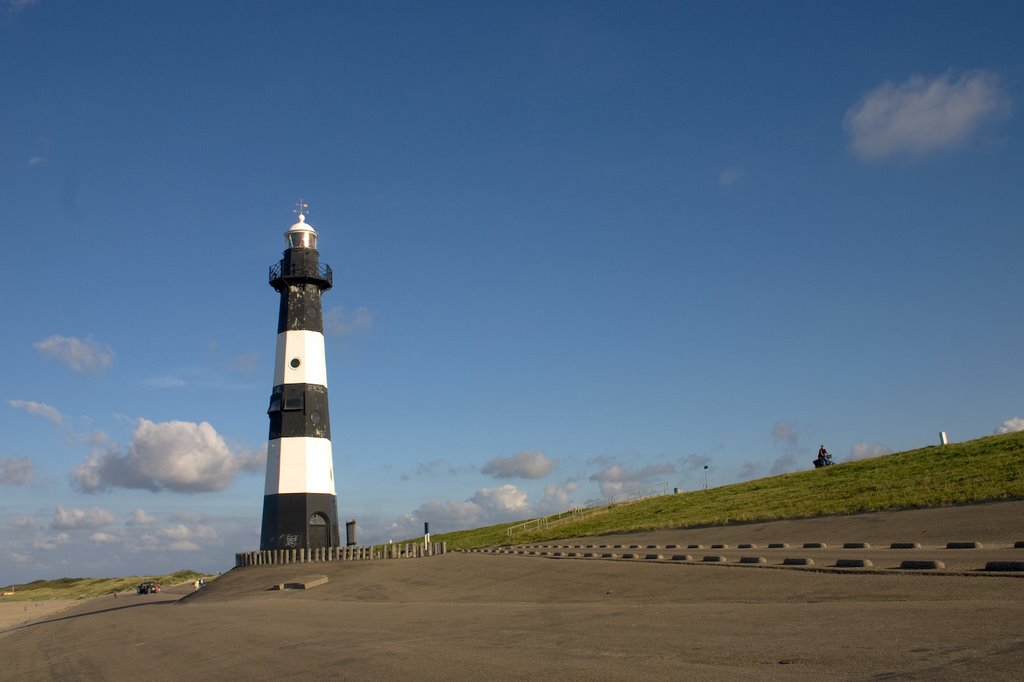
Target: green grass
{"points": [[87, 588], [980, 470]]}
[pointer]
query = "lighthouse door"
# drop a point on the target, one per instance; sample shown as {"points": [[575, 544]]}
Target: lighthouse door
{"points": [[319, 531]]}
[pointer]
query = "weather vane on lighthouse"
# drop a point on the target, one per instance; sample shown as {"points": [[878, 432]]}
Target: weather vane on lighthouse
{"points": [[300, 506]]}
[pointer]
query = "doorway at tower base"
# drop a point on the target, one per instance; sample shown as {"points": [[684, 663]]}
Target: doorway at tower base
{"points": [[299, 520]]}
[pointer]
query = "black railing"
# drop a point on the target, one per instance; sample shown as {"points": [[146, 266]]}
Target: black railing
{"points": [[298, 271]]}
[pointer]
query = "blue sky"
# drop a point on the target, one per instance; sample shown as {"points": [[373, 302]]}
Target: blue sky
{"points": [[579, 248]]}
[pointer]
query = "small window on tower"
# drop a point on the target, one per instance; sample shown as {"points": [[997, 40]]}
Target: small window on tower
{"points": [[295, 363], [293, 403]]}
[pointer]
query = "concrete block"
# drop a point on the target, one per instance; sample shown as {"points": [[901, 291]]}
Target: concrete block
{"points": [[1005, 566], [634, 547], [654, 557], [746, 545], [682, 557], [921, 565], [856, 545], [815, 545], [589, 555], [797, 561], [905, 545], [695, 547], [306, 583], [653, 546], [671, 546], [630, 555], [609, 555], [753, 560], [963, 545], [714, 559], [778, 545], [719, 546], [854, 563]]}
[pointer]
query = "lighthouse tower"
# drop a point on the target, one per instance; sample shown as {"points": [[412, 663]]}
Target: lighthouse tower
{"points": [[300, 507]]}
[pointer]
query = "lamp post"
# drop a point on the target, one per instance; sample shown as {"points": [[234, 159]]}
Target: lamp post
{"points": [[705, 477]]}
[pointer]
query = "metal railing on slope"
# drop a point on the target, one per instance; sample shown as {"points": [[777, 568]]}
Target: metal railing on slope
{"points": [[654, 490]]}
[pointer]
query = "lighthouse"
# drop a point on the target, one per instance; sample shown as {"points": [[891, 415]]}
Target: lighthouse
{"points": [[300, 506]]}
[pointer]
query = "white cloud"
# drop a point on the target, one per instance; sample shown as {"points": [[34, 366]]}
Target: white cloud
{"points": [[523, 464], [81, 355], [15, 471], [184, 546], [47, 412], [177, 456], [487, 506], [784, 435], [104, 538], [867, 450], [140, 518], [22, 521], [36, 160], [71, 519], [1011, 425], [501, 501], [922, 114], [339, 322], [51, 542], [557, 497], [18, 557], [617, 479]]}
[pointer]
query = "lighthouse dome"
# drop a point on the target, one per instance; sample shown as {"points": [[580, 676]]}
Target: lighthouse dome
{"points": [[301, 234]]}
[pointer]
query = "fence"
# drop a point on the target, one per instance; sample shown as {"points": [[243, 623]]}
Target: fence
{"points": [[402, 550]]}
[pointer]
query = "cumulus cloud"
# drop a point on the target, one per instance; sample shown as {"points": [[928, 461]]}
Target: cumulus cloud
{"points": [[558, 497], [523, 464], [22, 521], [51, 542], [178, 456], [140, 518], [73, 519], [866, 450], [922, 114], [18, 557], [47, 412], [1010, 425], [103, 538], [81, 355], [182, 538], [487, 506], [784, 435], [36, 160], [339, 322], [15, 471], [616, 479]]}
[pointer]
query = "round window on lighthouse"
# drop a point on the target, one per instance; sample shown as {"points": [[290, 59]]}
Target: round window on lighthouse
{"points": [[295, 363]]}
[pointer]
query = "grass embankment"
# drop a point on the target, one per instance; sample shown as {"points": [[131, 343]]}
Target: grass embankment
{"points": [[87, 588], [989, 468]]}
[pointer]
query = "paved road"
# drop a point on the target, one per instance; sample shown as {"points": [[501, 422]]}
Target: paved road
{"points": [[475, 616]]}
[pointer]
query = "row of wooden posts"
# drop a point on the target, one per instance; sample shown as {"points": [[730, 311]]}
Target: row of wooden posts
{"points": [[302, 555]]}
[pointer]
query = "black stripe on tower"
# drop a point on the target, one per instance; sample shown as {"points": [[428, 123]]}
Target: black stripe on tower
{"points": [[286, 521], [298, 410]]}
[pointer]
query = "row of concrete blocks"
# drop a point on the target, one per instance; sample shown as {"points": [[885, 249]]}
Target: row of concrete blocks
{"points": [[759, 560], [773, 545], [302, 555]]}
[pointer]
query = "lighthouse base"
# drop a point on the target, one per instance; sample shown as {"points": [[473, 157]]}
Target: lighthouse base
{"points": [[294, 520]]}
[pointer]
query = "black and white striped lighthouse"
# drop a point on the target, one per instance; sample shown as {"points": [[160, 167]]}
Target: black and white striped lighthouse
{"points": [[300, 507]]}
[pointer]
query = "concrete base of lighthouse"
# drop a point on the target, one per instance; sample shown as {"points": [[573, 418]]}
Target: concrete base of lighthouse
{"points": [[293, 520]]}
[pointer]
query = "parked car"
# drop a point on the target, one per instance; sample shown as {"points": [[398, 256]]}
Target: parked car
{"points": [[149, 587]]}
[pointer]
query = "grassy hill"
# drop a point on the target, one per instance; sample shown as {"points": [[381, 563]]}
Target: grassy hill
{"points": [[989, 468], [86, 588]]}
